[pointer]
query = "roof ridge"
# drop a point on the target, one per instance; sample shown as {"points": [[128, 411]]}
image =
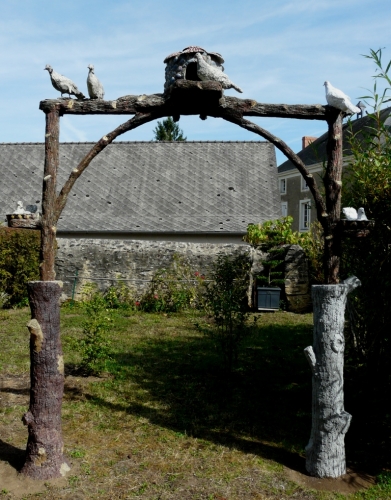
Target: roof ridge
{"points": [[138, 142]]}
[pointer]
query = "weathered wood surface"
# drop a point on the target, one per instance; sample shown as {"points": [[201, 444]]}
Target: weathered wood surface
{"points": [[325, 452], [333, 186], [188, 98], [48, 222], [44, 454]]}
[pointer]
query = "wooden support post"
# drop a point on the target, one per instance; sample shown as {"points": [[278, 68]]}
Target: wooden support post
{"points": [[325, 452], [48, 229], [333, 187], [44, 454]]}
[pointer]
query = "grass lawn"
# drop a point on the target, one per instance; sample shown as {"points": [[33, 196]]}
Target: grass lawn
{"points": [[165, 421]]}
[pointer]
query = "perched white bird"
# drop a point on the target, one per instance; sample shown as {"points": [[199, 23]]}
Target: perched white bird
{"points": [[339, 100], [95, 88], [63, 84], [207, 72], [353, 214], [20, 209]]}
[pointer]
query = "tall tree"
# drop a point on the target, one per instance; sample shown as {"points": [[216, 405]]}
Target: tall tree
{"points": [[168, 130]]}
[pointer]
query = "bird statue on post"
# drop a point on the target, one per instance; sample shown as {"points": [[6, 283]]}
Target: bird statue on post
{"points": [[95, 88], [353, 214], [337, 99], [207, 72], [63, 84]]}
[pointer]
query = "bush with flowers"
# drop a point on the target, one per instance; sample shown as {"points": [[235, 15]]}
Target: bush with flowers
{"points": [[173, 289]]}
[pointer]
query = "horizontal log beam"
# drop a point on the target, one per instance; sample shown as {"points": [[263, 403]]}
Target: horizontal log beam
{"points": [[185, 98]]}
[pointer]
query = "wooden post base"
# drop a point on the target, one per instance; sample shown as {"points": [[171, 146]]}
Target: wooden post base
{"points": [[44, 453]]}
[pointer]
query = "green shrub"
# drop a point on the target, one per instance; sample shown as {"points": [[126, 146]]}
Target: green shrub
{"points": [[19, 262], [94, 345], [173, 289], [272, 234], [227, 303], [368, 185]]}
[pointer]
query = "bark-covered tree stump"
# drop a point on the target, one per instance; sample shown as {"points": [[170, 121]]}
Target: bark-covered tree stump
{"points": [[44, 454], [325, 452]]}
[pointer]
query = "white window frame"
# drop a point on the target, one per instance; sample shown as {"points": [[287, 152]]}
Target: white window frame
{"points": [[304, 186], [283, 182], [284, 208], [305, 215]]}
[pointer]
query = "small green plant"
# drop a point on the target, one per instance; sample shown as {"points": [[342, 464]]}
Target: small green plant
{"points": [[94, 345], [273, 269], [119, 297], [226, 301]]}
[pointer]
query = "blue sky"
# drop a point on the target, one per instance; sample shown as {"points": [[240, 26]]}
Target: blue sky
{"points": [[278, 51]]}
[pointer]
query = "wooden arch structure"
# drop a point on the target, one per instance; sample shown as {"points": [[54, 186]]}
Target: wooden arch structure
{"points": [[44, 456]]}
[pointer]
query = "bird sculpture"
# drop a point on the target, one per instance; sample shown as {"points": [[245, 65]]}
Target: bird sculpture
{"points": [[353, 214], [207, 72], [63, 84], [95, 88], [20, 209], [339, 100]]}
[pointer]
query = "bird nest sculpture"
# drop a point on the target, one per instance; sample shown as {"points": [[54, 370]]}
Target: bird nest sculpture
{"points": [[196, 64]]}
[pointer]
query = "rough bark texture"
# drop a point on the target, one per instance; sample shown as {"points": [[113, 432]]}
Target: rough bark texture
{"points": [[333, 187], [325, 452], [192, 98], [48, 223], [44, 454]]}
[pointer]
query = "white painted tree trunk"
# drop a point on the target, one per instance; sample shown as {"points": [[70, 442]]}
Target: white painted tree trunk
{"points": [[325, 452]]}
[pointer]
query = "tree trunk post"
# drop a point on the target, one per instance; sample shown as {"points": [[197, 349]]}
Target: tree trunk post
{"points": [[325, 452], [48, 229], [44, 454], [333, 186]]}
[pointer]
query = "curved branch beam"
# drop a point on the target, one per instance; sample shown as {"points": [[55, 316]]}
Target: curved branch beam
{"points": [[289, 153], [136, 121]]}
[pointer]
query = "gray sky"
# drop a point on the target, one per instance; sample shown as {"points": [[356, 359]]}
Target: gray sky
{"points": [[278, 51]]}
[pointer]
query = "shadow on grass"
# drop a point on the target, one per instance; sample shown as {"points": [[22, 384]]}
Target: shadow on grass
{"points": [[12, 455], [262, 407]]}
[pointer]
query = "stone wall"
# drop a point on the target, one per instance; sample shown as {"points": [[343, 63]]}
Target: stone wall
{"points": [[105, 262]]}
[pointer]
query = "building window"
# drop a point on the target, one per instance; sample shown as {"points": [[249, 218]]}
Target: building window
{"points": [[284, 208], [305, 215], [304, 186], [282, 186]]}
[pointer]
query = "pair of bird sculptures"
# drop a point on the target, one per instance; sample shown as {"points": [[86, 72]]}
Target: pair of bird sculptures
{"points": [[66, 86]]}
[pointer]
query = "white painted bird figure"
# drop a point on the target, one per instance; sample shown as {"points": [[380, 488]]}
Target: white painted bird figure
{"points": [[20, 209], [95, 88], [63, 84], [207, 72], [339, 100], [353, 214]]}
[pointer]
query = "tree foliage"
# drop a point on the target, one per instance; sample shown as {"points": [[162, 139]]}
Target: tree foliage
{"points": [[368, 184], [168, 130], [19, 262]]}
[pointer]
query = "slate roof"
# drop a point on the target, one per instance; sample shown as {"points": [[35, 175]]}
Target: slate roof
{"points": [[316, 151], [151, 186]]}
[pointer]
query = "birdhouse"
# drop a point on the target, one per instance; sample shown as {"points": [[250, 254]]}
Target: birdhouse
{"points": [[183, 65]]}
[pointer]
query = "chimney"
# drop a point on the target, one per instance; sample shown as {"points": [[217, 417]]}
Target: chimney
{"points": [[306, 141]]}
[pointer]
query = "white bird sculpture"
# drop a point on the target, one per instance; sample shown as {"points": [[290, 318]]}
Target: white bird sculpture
{"points": [[20, 209], [207, 72], [95, 88], [63, 84], [353, 214], [339, 100]]}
